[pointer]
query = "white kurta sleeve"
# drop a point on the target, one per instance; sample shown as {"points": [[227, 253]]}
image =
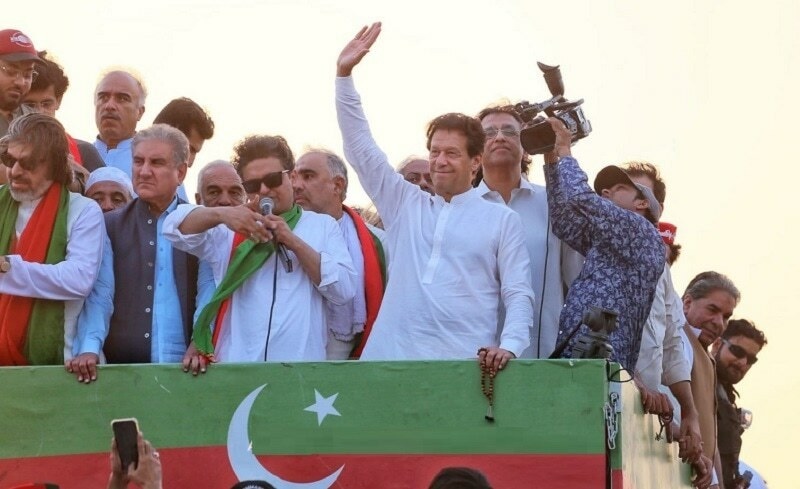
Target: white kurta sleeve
{"points": [[338, 276], [387, 188], [70, 279], [515, 286], [676, 365], [211, 245]]}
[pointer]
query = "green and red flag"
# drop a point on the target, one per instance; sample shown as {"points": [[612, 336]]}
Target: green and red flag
{"points": [[314, 425]]}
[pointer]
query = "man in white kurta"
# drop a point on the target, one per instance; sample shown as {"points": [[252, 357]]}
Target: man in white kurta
{"points": [[265, 323], [456, 259], [298, 330], [69, 281], [661, 354], [32, 171]]}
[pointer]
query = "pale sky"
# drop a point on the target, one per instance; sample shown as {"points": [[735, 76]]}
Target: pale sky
{"points": [[705, 90]]}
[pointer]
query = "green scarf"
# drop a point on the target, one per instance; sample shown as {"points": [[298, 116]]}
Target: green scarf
{"points": [[44, 342], [248, 257]]}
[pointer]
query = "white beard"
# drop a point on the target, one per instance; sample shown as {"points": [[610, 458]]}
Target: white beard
{"points": [[29, 195], [22, 196]]}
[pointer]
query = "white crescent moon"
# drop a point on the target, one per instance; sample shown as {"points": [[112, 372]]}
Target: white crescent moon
{"points": [[246, 466]]}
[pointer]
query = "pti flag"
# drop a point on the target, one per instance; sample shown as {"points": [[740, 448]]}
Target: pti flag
{"points": [[312, 425]]}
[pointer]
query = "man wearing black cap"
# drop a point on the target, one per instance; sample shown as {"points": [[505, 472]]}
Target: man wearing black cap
{"points": [[614, 228], [17, 59]]}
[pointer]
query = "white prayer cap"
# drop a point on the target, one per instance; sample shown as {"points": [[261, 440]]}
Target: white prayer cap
{"points": [[110, 174]]}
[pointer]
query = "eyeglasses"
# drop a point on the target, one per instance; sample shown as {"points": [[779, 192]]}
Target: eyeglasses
{"points": [[271, 180], [740, 352], [47, 105], [508, 132], [12, 72], [7, 160]]}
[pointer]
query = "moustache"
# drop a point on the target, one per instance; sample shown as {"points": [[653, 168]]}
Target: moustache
{"points": [[109, 115]]}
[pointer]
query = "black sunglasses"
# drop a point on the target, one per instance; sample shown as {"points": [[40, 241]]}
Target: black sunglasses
{"points": [[740, 352], [271, 180], [7, 160]]}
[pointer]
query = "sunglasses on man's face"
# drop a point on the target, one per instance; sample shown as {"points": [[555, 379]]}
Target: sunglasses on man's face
{"points": [[740, 352], [271, 180], [7, 160]]}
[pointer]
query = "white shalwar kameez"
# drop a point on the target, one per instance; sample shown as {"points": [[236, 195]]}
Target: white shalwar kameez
{"points": [[298, 331]]}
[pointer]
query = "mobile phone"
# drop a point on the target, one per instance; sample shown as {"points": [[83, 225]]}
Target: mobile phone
{"points": [[126, 432]]}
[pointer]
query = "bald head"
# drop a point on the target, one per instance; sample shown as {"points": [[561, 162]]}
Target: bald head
{"points": [[119, 105]]}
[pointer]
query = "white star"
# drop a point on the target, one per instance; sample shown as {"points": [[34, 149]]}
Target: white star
{"points": [[323, 406]]}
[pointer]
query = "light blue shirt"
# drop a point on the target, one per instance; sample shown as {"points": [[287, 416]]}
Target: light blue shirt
{"points": [[95, 317], [120, 157], [168, 344]]}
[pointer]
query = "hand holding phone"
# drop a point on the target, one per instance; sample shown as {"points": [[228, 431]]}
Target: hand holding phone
{"points": [[126, 432]]}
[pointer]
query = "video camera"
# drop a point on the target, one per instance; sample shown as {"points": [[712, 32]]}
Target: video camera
{"points": [[538, 136], [595, 344]]}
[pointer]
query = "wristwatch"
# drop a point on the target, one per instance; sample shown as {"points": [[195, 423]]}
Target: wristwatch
{"points": [[5, 264]]}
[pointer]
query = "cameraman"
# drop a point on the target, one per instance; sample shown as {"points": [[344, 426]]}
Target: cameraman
{"points": [[614, 229], [504, 180]]}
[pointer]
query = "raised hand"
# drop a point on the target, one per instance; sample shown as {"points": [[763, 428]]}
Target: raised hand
{"points": [[356, 49], [563, 141]]}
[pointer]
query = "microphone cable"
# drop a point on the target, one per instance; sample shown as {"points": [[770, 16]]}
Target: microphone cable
{"points": [[544, 285], [272, 304]]}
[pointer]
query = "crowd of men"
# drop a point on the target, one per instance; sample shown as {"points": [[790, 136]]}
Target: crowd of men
{"points": [[104, 260]]}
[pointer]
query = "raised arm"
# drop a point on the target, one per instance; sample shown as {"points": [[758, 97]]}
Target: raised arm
{"points": [[356, 49], [383, 184], [240, 219]]}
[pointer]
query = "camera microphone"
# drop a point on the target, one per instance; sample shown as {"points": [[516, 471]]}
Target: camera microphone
{"points": [[266, 205]]}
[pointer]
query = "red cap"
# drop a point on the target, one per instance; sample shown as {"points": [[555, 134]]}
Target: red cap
{"points": [[16, 46], [667, 232]]}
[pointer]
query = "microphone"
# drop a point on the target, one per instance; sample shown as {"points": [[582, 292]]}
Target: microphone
{"points": [[266, 205]]}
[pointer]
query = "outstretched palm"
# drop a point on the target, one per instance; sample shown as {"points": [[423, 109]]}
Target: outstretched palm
{"points": [[356, 49]]}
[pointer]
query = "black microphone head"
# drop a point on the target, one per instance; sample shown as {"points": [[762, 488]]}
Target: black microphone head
{"points": [[266, 205]]}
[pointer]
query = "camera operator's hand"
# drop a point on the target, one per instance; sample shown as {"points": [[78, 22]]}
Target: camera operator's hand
{"points": [[562, 144], [356, 49]]}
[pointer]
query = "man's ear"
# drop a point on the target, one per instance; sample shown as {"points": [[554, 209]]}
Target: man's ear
{"points": [[338, 186], [715, 346], [198, 199], [141, 113], [182, 169], [476, 163]]}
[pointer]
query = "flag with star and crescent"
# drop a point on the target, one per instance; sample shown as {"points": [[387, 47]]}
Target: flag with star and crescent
{"points": [[314, 425]]}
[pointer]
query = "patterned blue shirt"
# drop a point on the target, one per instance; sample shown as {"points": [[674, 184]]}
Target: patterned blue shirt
{"points": [[624, 259]]}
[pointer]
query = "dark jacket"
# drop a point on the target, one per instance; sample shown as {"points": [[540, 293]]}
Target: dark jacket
{"points": [[131, 229]]}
